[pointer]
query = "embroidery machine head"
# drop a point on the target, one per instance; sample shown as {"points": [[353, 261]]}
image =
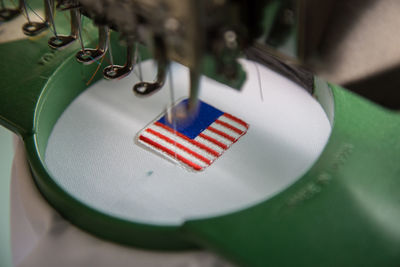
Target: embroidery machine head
{"points": [[206, 36]]}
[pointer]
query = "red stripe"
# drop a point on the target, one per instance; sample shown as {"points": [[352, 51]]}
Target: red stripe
{"points": [[170, 152], [230, 127], [193, 142], [189, 151], [227, 136], [229, 116], [212, 140]]}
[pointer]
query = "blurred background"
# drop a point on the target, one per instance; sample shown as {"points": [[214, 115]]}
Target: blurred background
{"points": [[354, 43]]}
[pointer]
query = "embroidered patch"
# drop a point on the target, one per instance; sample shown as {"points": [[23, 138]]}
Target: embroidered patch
{"points": [[195, 143]]}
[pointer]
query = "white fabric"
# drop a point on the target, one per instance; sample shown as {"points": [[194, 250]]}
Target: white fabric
{"points": [[42, 238], [91, 152]]}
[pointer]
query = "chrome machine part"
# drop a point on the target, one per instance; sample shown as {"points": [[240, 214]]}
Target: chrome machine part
{"points": [[90, 55], [62, 41], [116, 71], [32, 28], [7, 13], [192, 31], [147, 88]]}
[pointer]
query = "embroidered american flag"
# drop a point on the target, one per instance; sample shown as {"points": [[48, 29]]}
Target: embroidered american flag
{"points": [[195, 144]]}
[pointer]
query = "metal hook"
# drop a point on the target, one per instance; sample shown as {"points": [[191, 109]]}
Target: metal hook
{"points": [[7, 14], [62, 41], [32, 28], [118, 72], [148, 88], [90, 55]]}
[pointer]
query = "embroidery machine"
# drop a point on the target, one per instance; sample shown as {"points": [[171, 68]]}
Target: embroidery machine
{"points": [[343, 211]]}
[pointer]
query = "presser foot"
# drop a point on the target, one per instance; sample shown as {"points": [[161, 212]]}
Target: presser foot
{"points": [[147, 88], [118, 72], [34, 28], [7, 14], [89, 55], [61, 41]]}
